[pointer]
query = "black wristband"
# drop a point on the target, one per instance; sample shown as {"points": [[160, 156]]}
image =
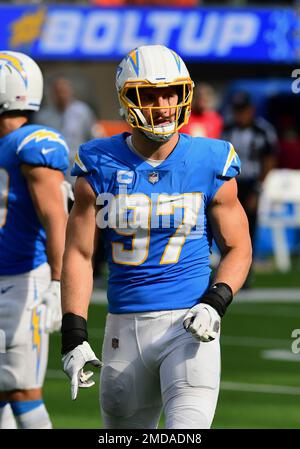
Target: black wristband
{"points": [[218, 296], [73, 332]]}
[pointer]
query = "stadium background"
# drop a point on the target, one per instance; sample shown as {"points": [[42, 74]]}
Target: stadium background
{"points": [[232, 45]]}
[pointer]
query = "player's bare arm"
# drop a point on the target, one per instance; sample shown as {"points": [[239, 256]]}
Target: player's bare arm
{"points": [[230, 229], [77, 284], [77, 276], [45, 188]]}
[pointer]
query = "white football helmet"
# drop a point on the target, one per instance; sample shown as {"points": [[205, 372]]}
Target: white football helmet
{"points": [[153, 66], [21, 82]]}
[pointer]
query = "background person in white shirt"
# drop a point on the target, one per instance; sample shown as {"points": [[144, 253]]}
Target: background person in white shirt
{"points": [[73, 118]]}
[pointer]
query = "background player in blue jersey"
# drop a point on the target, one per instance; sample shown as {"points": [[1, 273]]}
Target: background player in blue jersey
{"points": [[33, 217], [159, 198]]}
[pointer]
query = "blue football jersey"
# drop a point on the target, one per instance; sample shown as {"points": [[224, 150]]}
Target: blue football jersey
{"points": [[22, 238], [154, 220]]}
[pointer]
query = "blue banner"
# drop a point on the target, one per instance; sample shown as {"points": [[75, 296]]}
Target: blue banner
{"points": [[202, 34]]}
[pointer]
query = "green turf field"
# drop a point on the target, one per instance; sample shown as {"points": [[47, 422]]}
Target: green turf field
{"points": [[260, 388]]}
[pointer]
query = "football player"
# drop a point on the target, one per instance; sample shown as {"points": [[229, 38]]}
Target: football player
{"points": [[33, 160], [158, 197]]}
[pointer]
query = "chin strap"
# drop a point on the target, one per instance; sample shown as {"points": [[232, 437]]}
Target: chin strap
{"points": [[160, 136], [157, 137]]}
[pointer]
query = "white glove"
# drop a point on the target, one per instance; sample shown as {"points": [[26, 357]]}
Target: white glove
{"points": [[73, 364], [51, 299], [203, 322]]}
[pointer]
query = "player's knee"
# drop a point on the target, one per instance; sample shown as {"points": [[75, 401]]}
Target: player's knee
{"points": [[189, 407], [117, 389], [188, 418]]}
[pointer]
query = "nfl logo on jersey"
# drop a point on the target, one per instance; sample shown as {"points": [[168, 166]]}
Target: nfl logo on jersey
{"points": [[153, 177]]}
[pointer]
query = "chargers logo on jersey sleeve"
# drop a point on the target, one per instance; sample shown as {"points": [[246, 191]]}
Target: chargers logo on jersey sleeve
{"points": [[44, 147], [232, 160], [78, 164], [42, 134]]}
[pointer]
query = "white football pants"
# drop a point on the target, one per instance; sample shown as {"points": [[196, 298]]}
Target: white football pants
{"points": [[23, 358], [152, 364]]}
